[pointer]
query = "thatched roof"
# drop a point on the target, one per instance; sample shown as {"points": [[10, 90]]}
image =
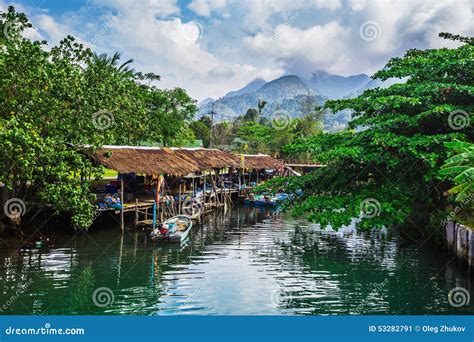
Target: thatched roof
{"points": [[260, 161], [208, 159], [175, 161]]}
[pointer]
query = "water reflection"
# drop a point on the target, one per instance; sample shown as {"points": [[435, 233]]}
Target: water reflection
{"points": [[247, 261]]}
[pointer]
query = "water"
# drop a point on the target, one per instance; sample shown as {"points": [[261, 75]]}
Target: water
{"points": [[248, 262]]}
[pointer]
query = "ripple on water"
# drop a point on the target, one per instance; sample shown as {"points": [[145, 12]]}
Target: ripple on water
{"points": [[249, 262]]}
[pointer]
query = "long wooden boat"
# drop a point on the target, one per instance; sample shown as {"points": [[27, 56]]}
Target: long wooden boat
{"points": [[175, 229]]}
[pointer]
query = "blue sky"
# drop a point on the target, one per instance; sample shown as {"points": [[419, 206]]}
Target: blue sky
{"points": [[212, 46]]}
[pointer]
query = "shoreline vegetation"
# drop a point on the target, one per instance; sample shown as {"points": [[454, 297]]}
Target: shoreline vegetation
{"points": [[405, 157]]}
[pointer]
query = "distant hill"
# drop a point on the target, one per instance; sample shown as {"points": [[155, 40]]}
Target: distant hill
{"points": [[336, 86], [292, 93], [375, 84], [206, 101], [249, 88], [274, 92]]}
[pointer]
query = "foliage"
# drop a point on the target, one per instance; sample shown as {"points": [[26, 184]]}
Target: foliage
{"points": [[460, 168], [54, 101], [393, 154]]}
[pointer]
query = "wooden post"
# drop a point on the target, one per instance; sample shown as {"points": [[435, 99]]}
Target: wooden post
{"points": [[136, 212], [240, 183], [122, 197], [180, 209], [157, 200], [203, 207]]}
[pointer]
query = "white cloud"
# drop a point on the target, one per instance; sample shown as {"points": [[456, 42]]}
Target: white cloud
{"points": [[302, 50], [48, 25], [204, 8], [225, 44]]}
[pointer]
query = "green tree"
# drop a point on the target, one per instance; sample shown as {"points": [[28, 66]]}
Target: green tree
{"points": [[385, 171], [460, 168], [54, 101], [201, 131], [261, 104], [251, 115]]}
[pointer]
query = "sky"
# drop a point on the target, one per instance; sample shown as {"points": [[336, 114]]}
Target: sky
{"points": [[210, 47]]}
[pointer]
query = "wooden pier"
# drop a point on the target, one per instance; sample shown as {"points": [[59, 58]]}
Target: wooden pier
{"points": [[190, 181]]}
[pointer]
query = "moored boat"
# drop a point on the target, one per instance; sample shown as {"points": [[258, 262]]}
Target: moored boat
{"points": [[266, 199], [175, 229]]}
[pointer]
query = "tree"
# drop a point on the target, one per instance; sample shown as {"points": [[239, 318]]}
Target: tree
{"points": [[385, 171], [201, 131], [251, 115], [261, 104], [54, 101], [460, 168], [113, 62]]}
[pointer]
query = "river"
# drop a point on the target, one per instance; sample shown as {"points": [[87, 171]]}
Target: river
{"points": [[249, 261]]}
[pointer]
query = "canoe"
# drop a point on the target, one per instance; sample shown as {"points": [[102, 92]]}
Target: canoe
{"points": [[175, 229]]}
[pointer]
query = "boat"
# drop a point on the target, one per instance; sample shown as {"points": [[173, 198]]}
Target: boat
{"points": [[175, 229], [266, 199]]}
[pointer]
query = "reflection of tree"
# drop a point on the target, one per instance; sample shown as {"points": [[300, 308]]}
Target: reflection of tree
{"points": [[81, 292]]}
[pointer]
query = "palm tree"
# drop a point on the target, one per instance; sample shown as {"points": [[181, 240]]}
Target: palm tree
{"points": [[113, 61], [261, 104]]}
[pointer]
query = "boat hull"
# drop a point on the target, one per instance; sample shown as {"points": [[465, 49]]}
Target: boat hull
{"points": [[178, 235]]}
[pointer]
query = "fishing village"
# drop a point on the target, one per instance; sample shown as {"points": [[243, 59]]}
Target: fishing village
{"points": [[162, 171], [156, 184]]}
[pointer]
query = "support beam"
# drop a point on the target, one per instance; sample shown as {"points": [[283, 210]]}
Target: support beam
{"points": [[122, 197]]}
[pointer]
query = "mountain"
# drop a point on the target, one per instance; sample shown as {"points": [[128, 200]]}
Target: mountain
{"points": [[376, 83], [249, 88], [206, 101], [336, 86], [285, 87], [274, 92], [294, 95]]}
